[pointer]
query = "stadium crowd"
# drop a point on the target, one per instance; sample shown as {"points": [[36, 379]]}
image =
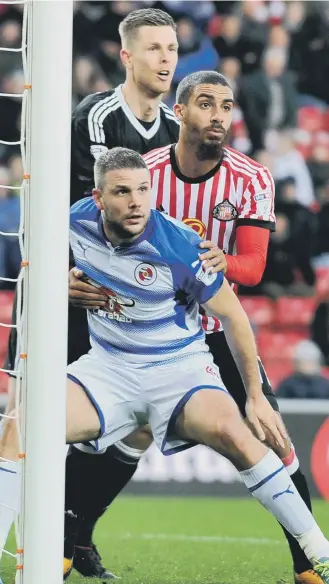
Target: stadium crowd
{"points": [[276, 57]]}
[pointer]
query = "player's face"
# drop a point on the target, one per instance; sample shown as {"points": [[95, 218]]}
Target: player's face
{"points": [[207, 118], [125, 201], [153, 58]]}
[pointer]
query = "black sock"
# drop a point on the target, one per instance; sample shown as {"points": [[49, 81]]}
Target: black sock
{"points": [[301, 563], [93, 481]]}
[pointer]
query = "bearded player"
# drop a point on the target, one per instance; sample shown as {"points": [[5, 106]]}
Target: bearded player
{"points": [[229, 199]]}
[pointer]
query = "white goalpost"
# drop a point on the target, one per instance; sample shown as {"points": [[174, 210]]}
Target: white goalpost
{"points": [[49, 52], [42, 325]]}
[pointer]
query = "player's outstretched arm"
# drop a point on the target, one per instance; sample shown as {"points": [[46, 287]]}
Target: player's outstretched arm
{"points": [[226, 306]]}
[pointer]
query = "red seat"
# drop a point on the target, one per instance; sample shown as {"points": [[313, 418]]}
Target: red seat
{"points": [[277, 370], [6, 306], [291, 312], [4, 336], [311, 119], [276, 345], [259, 309]]}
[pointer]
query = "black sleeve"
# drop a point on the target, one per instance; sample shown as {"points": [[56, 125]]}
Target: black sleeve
{"points": [[86, 145]]}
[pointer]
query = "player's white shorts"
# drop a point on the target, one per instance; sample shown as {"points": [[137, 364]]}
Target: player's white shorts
{"points": [[128, 396]]}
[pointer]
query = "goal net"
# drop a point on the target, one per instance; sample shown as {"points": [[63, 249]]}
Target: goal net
{"points": [[41, 288]]}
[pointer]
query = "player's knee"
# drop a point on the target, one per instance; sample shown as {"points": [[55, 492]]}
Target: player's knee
{"points": [[229, 433]]}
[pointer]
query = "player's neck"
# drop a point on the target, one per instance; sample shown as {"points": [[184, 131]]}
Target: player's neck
{"points": [[143, 106], [115, 240], [189, 164]]}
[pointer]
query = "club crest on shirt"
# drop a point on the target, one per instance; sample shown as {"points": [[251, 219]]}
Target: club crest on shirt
{"points": [[145, 274], [225, 211], [196, 225]]}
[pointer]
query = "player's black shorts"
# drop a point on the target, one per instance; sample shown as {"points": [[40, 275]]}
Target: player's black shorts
{"points": [[78, 345], [230, 373], [77, 342]]}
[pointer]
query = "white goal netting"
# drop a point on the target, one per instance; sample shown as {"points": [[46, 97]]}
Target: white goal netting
{"points": [[23, 188]]}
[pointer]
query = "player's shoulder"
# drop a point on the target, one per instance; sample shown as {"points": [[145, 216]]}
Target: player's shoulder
{"points": [[240, 163], [84, 209], [168, 113], [94, 102], [157, 158], [173, 238]]}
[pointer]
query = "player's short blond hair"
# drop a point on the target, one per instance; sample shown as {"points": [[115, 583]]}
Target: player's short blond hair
{"points": [[144, 17]]}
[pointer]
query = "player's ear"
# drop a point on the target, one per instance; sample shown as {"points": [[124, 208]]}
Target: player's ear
{"points": [[178, 111], [98, 199], [125, 57]]}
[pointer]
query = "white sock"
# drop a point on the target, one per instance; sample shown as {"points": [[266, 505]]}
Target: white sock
{"points": [[10, 498], [269, 482]]}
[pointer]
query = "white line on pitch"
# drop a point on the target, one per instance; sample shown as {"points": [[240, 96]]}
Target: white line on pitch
{"points": [[198, 538]]}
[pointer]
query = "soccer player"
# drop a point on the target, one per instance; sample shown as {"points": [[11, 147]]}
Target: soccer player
{"points": [[229, 199], [150, 334], [131, 115]]}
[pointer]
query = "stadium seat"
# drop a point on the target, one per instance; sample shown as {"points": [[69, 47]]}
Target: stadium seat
{"points": [[294, 312], [277, 370], [259, 309], [6, 306], [310, 118], [278, 345]]}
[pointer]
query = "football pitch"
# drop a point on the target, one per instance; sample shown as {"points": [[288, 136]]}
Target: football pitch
{"points": [[191, 541]]}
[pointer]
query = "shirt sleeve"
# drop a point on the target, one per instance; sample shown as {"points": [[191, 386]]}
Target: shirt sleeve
{"points": [[257, 204], [190, 275]]}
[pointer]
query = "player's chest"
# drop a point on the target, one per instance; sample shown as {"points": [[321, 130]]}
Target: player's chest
{"points": [[210, 208], [143, 140], [136, 282]]}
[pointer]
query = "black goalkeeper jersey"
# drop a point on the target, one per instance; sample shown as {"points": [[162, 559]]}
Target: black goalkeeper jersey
{"points": [[104, 120]]}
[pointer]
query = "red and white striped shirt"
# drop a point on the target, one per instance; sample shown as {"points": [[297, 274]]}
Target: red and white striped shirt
{"points": [[238, 191]]}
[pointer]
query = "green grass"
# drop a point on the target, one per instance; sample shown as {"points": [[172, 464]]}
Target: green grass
{"points": [[150, 541]]}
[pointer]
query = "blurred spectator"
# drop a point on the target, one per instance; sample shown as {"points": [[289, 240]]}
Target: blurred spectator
{"points": [[11, 83], [196, 51], [10, 37], [309, 51], [306, 382], [232, 43], [288, 162], [9, 222], [268, 98], [289, 253]]}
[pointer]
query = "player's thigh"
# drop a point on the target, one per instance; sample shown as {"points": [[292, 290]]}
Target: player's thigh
{"points": [[114, 392], [82, 419], [208, 417], [175, 416]]}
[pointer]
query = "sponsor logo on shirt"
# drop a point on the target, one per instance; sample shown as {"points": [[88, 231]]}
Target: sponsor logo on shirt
{"points": [[196, 225]]}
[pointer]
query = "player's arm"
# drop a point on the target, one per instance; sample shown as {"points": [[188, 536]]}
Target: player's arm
{"points": [[83, 294], [255, 221], [226, 306]]}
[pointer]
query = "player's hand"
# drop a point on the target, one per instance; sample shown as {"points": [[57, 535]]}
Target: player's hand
{"points": [[214, 258], [82, 294], [262, 417]]}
